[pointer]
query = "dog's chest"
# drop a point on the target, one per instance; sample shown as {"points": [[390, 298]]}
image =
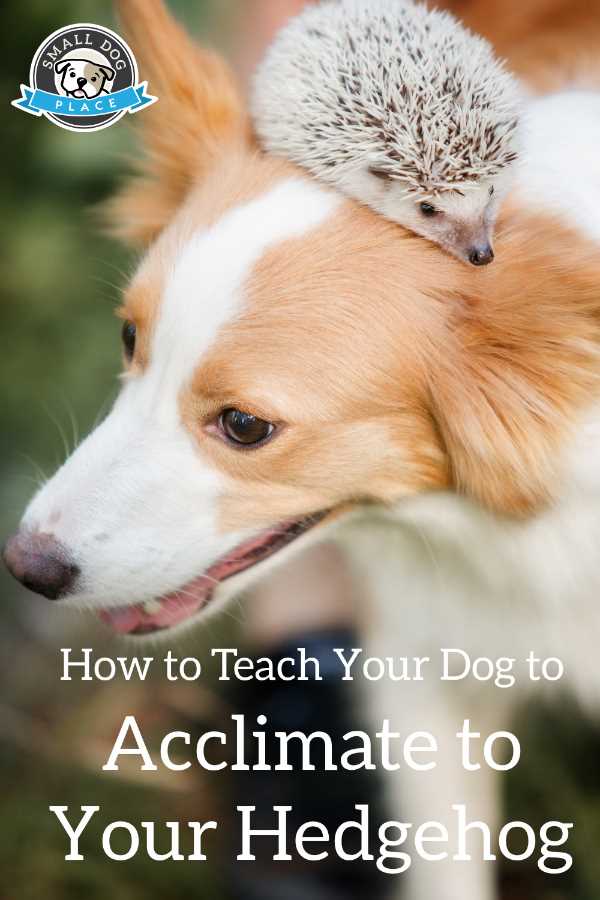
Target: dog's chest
{"points": [[444, 573]]}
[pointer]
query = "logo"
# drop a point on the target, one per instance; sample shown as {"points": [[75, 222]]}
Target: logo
{"points": [[83, 78]]}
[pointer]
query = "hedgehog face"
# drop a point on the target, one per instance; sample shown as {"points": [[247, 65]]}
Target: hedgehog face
{"points": [[461, 221]]}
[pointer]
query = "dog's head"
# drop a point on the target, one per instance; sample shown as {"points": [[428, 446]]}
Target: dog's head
{"points": [[291, 358], [83, 75]]}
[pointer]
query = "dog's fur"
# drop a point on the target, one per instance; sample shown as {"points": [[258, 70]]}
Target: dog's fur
{"points": [[547, 42], [449, 419]]}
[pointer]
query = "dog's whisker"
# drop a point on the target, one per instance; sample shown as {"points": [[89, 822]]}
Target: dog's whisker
{"points": [[233, 617], [115, 289], [41, 475], [73, 420], [31, 479], [61, 432], [100, 415], [110, 265], [243, 617]]}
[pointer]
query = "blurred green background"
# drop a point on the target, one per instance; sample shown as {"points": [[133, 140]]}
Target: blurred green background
{"points": [[59, 356]]}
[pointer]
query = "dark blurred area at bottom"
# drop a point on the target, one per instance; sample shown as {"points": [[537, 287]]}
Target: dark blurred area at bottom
{"points": [[327, 797]]}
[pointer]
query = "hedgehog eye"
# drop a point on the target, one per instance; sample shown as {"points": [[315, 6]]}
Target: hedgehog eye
{"points": [[128, 336], [428, 209]]}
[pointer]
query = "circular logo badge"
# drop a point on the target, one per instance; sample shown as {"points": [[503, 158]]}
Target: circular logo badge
{"points": [[83, 77]]}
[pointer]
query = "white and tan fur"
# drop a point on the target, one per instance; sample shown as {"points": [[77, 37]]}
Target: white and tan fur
{"points": [[449, 419]]}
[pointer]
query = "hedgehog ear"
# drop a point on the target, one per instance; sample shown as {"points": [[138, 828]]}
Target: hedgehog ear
{"points": [[198, 111]]}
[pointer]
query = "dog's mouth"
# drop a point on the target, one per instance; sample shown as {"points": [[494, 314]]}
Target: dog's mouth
{"points": [[178, 607]]}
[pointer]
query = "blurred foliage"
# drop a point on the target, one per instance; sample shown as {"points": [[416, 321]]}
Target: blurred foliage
{"points": [[59, 355], [558, 778], [59, 358], [60, 276]]}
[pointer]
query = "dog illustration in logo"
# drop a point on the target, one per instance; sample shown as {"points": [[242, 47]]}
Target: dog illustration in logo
{"points": [[83, 73]]}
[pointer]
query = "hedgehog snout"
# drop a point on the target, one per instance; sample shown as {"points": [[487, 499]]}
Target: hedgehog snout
{"points": [[480, 254]]}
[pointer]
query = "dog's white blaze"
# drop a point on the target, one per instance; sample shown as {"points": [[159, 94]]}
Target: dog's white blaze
{"points": [[206, 287], [136, 503]]}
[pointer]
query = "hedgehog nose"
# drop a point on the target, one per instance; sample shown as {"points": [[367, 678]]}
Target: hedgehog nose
{"points": [[81, 82], [40, 563], [481, 255]]}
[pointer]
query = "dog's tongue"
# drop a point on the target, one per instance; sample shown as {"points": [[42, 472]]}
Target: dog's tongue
{"points": [[180, 605], [170, 610], [124, 619]]}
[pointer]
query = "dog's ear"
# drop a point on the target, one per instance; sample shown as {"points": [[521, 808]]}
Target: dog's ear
{"points": [[520, 364], [108, 73], [61, 65], [198, 112], [501, 435]]}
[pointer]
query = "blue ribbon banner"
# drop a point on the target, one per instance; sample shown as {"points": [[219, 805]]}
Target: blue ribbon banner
{"points": [[37, 102]]}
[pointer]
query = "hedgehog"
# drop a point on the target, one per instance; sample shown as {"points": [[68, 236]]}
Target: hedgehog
{"points": [[400, 107]]}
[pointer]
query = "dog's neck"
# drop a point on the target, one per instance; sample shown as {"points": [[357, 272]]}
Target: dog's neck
{"points": [[442, 572]]}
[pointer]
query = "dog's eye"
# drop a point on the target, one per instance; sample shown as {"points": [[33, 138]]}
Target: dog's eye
{"points": [[244, 429], [93, 77], [128, 335], [428, 209]]}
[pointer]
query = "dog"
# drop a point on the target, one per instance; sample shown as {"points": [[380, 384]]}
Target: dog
{"points": [[83, 74], [297, 368]]}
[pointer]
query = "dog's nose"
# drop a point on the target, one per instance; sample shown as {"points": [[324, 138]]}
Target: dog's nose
{"points": [[81, 82], [40, 563], [481, 255]]}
